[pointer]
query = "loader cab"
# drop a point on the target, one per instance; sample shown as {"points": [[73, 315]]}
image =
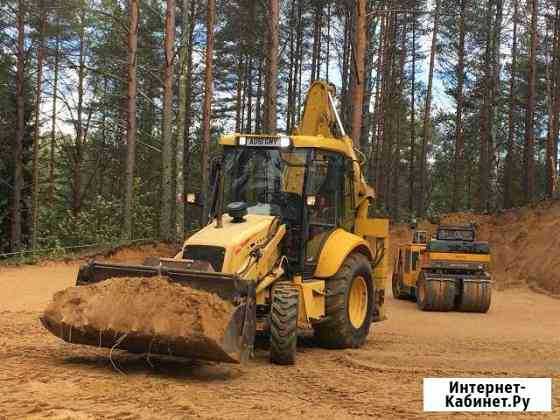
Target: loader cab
{"points": [[308, 188]]}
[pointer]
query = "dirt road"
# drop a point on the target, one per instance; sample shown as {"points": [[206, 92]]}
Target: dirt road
{"points": [[41, 376]]}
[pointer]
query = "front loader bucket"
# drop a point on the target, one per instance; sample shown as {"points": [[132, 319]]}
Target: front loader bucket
{"points": [[164, 318]]}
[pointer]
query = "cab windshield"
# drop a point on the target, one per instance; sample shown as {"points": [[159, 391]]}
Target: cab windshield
{"points": [[455, 234], [270, 181], [459, 247]]}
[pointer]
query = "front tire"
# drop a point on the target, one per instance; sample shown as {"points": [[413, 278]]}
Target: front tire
{"points": [[349, 305], [283, 323]]}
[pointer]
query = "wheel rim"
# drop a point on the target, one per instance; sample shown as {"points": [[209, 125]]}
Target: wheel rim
{"points": [[357, 302]]}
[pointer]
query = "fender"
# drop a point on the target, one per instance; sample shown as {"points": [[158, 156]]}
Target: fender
{"points": [[338, 246]]}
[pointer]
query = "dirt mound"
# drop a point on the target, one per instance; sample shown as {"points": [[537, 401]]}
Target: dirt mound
{"points": [[136, 254], [524, 243], [142, 315]]}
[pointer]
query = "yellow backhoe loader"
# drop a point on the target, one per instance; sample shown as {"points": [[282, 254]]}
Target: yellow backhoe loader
{"points": [[288, 243], [449, 271]]}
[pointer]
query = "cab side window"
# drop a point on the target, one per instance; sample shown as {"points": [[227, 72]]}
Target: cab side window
{"points": [[415, 260], [325, 184]]}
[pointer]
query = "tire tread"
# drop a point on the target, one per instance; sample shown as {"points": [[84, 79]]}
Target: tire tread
{"points": [[336, 332], [283, 323]]}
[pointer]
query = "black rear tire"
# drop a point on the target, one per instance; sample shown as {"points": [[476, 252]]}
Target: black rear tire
{"points": [[397, 286], [283, 323], [435, 295], [338, 331]]}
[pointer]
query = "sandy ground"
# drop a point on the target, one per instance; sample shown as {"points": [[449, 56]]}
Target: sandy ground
{"points": [[41, 376]]}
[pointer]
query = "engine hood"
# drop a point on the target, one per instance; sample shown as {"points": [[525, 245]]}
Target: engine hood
{"points": [[236, 239]]}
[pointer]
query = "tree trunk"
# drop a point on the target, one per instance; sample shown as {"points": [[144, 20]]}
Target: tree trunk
{"points": [[36, 134], [181, 115], [188, 118], [249, 89], [346, 53], [291, 60], [386, 28], [207, 108], [131, 117], [552, 102], [495, 93], [167, 231], [458, 179], [372, 157], [258, 108], [54, 111], [386, 122], [390, 129], [272, 67], [368, 88], [316, 57], [359, 63], [79, 140], [412, 157], [243, 94], [508, 175], [400, 118], [485, 116], [427, 126], [296, 106], [15, 237], [299, 79], [240, 76], [556, 108], [529, 150], [328, 53]]}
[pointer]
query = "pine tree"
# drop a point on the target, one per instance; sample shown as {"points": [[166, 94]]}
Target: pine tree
{"points": [[166, 223], [207, 107]]}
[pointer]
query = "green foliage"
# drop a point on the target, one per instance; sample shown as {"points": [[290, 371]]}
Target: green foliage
{"points": [[98, 224], [59, 227]]}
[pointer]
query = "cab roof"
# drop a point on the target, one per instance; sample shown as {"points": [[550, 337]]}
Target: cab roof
{"points": [[342, 145]]}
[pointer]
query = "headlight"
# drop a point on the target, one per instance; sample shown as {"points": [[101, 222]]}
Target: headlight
{"points": [[242, 141], [285, 141], [191, 198], [311, 200]]}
